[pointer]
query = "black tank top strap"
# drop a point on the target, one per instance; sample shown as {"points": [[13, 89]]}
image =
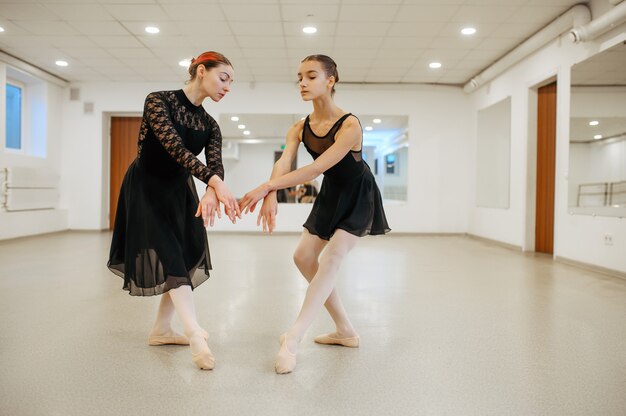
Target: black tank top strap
{"points": [[331, 132]]}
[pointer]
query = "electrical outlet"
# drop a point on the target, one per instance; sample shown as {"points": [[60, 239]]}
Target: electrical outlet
{"points": [[608, 239]]}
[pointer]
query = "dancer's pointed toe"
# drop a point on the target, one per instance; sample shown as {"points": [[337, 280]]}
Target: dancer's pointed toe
{"points": [[285, 360]]}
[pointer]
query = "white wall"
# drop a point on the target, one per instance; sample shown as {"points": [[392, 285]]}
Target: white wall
{"points": [[43, 153], [438, 185], [577, 237]]}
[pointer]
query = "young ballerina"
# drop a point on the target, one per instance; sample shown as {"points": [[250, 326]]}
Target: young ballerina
{"points": [[347, 207], [158, 238]]}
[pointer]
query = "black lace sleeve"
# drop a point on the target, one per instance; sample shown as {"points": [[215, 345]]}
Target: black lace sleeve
{"points": [[213, 150], [159, 118]]}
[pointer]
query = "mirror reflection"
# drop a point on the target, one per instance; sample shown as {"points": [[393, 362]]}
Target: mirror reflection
{"points": [[253, 142], [597, 151]]}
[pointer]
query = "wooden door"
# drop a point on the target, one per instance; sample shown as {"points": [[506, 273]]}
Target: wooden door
{"points": [[546, 153], [124, 134]]}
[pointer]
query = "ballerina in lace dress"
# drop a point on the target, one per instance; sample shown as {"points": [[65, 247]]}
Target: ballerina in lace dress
{"points": [[159, 236], [348, 205]]}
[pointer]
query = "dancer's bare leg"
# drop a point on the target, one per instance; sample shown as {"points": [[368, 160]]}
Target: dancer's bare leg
{"points": [[182, 298], [306, 258], [320, 288]]}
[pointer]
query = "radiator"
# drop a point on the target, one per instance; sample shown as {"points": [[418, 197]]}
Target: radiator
{"points": [[26, 189]]}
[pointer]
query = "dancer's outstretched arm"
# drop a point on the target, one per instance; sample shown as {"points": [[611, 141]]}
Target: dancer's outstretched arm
{"points": [[269, 209], [348, 137]]}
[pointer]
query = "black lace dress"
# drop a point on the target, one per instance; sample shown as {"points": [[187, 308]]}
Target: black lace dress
{"points": [[158, 243], [349, 198]]}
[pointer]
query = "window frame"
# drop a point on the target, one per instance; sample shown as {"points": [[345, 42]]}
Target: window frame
{"points": [[23, 137]]}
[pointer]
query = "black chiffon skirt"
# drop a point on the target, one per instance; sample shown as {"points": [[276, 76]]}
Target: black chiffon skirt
{"points": [[158, 243], [354, 206]]}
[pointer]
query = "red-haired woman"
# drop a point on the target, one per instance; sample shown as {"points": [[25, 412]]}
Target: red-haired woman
{"points": [[159, 239], [347, 207]]}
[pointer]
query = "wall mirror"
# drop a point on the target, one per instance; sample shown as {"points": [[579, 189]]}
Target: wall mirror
{"points": [[597, 150], [493, 155], [253, 142]]}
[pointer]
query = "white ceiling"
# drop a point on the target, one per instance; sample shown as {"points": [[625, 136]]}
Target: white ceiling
{"points": [[605, 68], [271, 128], [388, 41]]}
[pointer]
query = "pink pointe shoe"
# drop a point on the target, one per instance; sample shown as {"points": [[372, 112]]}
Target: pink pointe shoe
{"points": [[327, 339], [204, 358], [174, 339], [285, 360]]}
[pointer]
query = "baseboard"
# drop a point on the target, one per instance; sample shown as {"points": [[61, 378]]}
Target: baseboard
{"points": [[591, 267], [495, 242]]}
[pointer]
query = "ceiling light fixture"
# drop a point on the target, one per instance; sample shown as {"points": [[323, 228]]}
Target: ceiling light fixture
{"points": [[61, 63], [241, 126], [435, 65], [234, 118], [152, 29], [594, 122], [246, 132], [369, 128], [1, 29], [309, 30], [377, 121], [468, 31], [597, 136], [185, 63]]}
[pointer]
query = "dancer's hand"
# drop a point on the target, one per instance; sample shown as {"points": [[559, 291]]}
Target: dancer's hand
{"points": [[267, 213], [249, 200], [208, 207], [231, 207]]}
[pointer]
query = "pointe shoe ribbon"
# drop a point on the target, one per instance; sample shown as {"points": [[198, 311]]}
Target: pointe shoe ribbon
{"points": [[326, 339], [176, 339], [203, 359], [285, 360]]}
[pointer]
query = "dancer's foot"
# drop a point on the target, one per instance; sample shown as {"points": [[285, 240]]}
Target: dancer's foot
{"points": [[200, 352], [286, 359], [336, 338], [170, 337]]}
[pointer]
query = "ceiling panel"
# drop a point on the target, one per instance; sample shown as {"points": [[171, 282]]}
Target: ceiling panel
{"points": [[252, 12], [140, 12], [311, 12], [79, 12], [87, 27], [199, 13]]}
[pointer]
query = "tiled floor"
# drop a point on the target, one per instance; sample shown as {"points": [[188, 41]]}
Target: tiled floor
{"points": [[448, 325]]}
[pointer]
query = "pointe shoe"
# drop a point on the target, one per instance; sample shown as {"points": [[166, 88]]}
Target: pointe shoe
{"points": [[326, 339], [285, 360], [203, 359], [176, 339]]}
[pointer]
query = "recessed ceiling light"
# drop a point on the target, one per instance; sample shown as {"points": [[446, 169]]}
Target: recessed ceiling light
{"points": [[434, 65], [309, 29], [377, 121], [369, 128], [597, 136], [152, 29], [234, 118], [61, 63], [246, 132], [468, 31], [241, 126], [1, 29], [185, 63], [594, 122]]}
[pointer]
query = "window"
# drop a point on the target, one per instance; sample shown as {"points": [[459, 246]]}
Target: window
{"points": [[13, 117], [390, 160]]}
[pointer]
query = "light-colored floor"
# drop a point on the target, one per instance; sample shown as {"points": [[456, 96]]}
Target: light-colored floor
{"points": [[449, 326]]}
